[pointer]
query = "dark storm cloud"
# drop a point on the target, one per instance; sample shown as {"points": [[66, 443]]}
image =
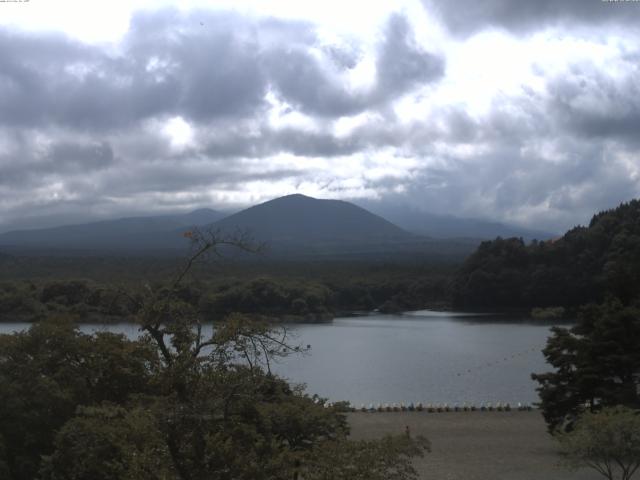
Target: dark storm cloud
{"points": [[70, 157], [526, 163], [200, 74], [270, 142], [201, 65], [210, 60], [26, 166], [163, 177], [401, 64], [301, 78], [592, 104], [469, 16], [29, 64], [72, 86]]}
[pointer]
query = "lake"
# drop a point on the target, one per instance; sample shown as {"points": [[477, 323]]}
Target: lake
{"points": [[425, 356]]}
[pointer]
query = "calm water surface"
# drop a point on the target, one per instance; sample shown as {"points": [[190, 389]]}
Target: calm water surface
{"points": [[425, 356]]}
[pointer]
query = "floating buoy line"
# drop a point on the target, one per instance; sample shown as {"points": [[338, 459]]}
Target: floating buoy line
{"points": [[436, 407], [498, 362], [446, 407]]}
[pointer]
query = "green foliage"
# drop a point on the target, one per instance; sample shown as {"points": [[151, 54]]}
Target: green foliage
{"points": [[66, 293], [269, 297], [18, 299], [597, 363], [583, 266], [31, 301], [607, 441], [109, 443], [282, 296], [385, 459], [47, 372]]}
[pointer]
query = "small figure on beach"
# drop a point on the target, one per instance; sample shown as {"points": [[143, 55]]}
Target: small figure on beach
{"points": [[407, 431]]}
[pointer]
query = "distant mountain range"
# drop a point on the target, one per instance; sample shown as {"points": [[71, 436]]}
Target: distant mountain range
{"points": [[131, 233], [448, 226], [294, 226]]}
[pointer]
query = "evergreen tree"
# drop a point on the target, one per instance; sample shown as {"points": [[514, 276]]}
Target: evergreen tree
{"points": [[597, 363]]}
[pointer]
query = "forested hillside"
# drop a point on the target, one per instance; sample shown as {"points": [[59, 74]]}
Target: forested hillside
{"points": [[583, 266]]}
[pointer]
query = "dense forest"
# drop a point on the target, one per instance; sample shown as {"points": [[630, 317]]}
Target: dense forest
{"points": [[585, 265], [285, 293]]}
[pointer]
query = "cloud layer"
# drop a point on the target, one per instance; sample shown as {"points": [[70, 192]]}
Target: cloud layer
{"points": [[214, 108], [464, 17]]}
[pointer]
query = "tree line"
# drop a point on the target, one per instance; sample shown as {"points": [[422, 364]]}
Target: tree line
{"points": [[585, 265], [277, 297]]}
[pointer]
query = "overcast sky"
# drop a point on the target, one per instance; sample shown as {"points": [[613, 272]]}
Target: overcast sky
{"points": [[521, 111]]}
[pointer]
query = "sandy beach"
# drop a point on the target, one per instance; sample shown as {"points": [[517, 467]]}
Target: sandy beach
{"points": [[476, 445]]}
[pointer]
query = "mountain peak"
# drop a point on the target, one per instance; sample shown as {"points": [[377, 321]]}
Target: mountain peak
{"points": [[299, 218], [293, 197]]}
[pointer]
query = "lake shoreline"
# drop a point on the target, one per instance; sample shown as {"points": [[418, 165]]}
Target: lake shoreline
{"points": [[311, 318], [323, 318]]}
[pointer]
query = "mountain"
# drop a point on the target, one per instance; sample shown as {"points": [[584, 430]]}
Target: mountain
{"points": [[131, 233], [292, 227], [433, 225], [586, 264], [301, 227], [300, 219]]}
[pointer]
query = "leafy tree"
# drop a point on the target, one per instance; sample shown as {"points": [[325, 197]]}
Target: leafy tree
{"points": [[227, 415], [607, 441], [597, 364], [46, 372], [268, 297], [67, 293], [386, 459], [108, 443]]}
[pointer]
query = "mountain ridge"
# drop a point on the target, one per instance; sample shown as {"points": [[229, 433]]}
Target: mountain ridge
{"points": [[294, 226], [441, 226], [115, 233]]}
